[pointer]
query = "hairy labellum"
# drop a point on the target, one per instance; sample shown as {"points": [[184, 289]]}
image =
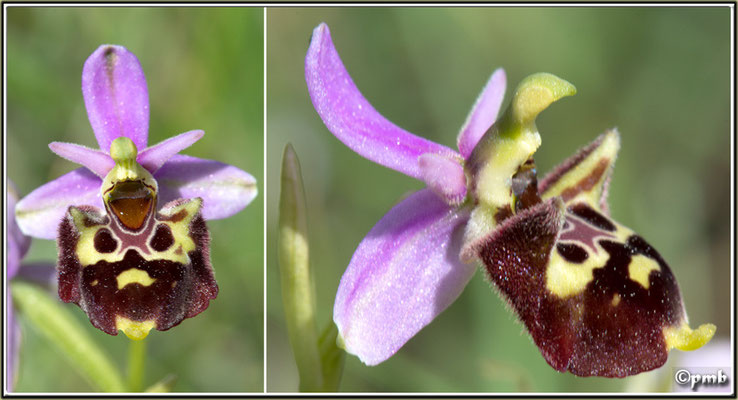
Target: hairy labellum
{"points": [[135, 281], [595, 297]]}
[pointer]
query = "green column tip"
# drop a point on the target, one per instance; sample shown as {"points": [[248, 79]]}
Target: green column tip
{"points": [[123, 149], [535, 93]]}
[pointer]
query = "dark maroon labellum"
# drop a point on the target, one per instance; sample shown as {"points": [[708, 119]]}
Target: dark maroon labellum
{"points": [[136, 281]]}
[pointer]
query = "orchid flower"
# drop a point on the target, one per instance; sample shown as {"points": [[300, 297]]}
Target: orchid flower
{"points": [[18, 245], [128, 264], [551, 249]]}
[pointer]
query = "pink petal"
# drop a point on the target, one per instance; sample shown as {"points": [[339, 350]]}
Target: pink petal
{"points": [[350, 117], [95, 160], [13, 340], [40, 272], [155, 156], [404, 273], [40, 213], [445, 177], [117, 101], [18, 243], [224, 189], [483, 114]]}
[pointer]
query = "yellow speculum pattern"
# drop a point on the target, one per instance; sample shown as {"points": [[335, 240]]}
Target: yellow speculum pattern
{"points": [[134, 275], [640, 268], [86, 245], [565, 279], [183, 243], [181, 231]]}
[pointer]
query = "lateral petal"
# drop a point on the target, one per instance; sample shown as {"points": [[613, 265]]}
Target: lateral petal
{"points": [[95, 160], [224, 189], [483, 114], [155, 156], [584, 176], [445, 177]]}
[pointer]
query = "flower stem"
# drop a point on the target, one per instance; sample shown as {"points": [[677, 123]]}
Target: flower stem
{"points": [[136, 364]]}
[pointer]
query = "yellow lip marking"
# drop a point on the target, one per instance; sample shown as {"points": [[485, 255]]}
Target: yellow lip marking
{"points": [[640, 268], [684, 338], [615, 300], [135, 330], [134, 275], [565, 279]]}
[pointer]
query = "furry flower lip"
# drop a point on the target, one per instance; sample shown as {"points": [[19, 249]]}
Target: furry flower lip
{"points": [[595, 297], [128, 263]]}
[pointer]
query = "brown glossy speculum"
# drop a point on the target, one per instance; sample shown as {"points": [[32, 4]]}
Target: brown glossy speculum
{"points": [[132, 202]]}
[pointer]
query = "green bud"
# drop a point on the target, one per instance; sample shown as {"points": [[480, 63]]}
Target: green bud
{"points": [[294, 270]]}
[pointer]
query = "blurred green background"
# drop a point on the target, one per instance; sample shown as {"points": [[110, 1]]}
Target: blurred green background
{"points": [[204, 68], [661, 75]]}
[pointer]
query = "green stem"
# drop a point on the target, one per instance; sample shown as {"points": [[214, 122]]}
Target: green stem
{"points": [[136, 364], [57, 324], [331, 358]]}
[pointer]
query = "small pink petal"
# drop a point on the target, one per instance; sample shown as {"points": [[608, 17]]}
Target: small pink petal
{"points": [[116, 98], [350, 117], [224, 189], [155, 156], [95, 160], [403, 274], [445, 177], [483, 114], [40, 213]]}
